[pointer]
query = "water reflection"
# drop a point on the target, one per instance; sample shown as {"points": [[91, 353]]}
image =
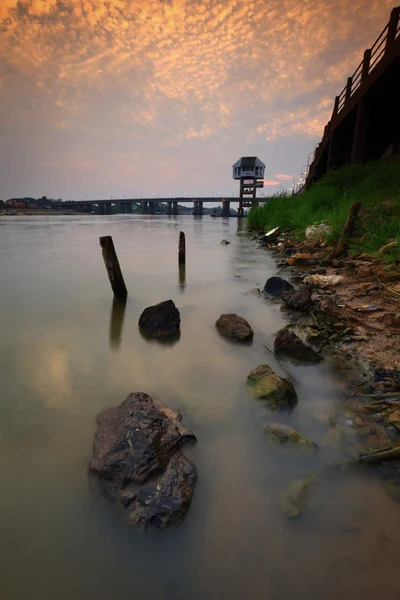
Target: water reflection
{"points": [[169, 340], [117, 322], [182, 276]]}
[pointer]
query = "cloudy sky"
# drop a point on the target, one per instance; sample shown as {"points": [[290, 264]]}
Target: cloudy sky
{"points": [[101, 98]]}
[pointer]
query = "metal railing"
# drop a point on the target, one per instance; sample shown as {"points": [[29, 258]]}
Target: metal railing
{"points": [[372, 58]]}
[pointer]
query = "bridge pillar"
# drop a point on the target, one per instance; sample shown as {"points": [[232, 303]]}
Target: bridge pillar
{"points": [[175, 207], [88, 208], [198, 208], [122, 207], [226, 208], [152, 208], [129, 207], [145, 208], [108, 208], [240, 209], [169, 208]]}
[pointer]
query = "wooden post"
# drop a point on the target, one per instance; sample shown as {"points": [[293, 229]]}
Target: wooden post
{"points": [[348, 88], [112, 266], [392, 28], [182, 249], [182, 275], [348, 228], [365, 65], [335, 107]]}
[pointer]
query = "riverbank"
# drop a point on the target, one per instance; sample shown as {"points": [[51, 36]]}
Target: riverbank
{"points": [[348, 310], [376, 185]]}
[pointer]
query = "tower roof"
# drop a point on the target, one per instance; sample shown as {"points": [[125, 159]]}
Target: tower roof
{"points": [[249, 161]]}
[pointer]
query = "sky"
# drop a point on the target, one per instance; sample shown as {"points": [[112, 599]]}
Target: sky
{"points": [[133, 98]]}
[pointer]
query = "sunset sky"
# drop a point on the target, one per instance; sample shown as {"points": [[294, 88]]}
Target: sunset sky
{"points": [[139, 97]]}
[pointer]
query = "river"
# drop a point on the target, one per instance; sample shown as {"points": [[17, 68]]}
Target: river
{"points": [[65, 354]]}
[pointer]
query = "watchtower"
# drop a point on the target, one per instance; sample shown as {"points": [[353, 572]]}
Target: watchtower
{"points": [[249, 170]]}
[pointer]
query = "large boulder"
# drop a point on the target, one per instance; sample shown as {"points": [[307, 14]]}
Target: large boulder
{"points": [[298, 299], [275, 286], [137, 464], [234, 326], [264, 384], [289, 345], [161, 320]]}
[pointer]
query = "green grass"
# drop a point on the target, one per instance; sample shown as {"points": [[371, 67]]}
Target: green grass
{"points": [[376, 185]]}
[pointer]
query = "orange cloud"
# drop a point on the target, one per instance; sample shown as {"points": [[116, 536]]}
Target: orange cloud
{"points": [[284, 177], [219, 59]]}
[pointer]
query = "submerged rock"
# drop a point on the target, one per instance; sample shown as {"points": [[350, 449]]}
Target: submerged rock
{"points": [[275, 286], [161, 320], [294, 497], [234, 326], [264, 384], [298, 299], [253, 292], [289, 345], [137, 463], [224, 242], [283, 435]]}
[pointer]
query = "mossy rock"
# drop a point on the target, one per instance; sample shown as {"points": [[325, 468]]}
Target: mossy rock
{"points": [[264, 384], [283, 437], [294, 497], [393, 419]]}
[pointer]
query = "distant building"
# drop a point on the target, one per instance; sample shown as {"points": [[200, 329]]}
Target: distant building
{"points": [[248, 167]]}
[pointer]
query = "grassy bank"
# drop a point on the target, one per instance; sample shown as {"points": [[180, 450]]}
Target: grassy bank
{"points": [[376, 185]]}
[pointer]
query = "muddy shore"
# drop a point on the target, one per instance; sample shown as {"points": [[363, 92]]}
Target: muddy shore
{"points": [[352, 318]]}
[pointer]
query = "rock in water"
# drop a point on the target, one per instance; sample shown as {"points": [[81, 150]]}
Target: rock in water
{"points": [[298, 299], [288, 344], [224, 242], [275, 286], [283, 435], [295, 497], [137, 463], [161, 320], [234, 326], [264, 384]]}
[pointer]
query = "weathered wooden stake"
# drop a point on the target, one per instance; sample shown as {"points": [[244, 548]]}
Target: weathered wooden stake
{"points": [[182, 249], [112, 266], [348, 228]]}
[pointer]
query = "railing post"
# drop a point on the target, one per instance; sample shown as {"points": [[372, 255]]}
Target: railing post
{"points": [[392, 28], [336, 107], [365, 64], [348, 88]]}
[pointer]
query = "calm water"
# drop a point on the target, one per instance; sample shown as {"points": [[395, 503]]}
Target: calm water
{"points": [[66, 353]]}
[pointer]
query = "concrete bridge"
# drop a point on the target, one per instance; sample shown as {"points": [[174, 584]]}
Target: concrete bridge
{"points": [[365, 123], [147, 205]]}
